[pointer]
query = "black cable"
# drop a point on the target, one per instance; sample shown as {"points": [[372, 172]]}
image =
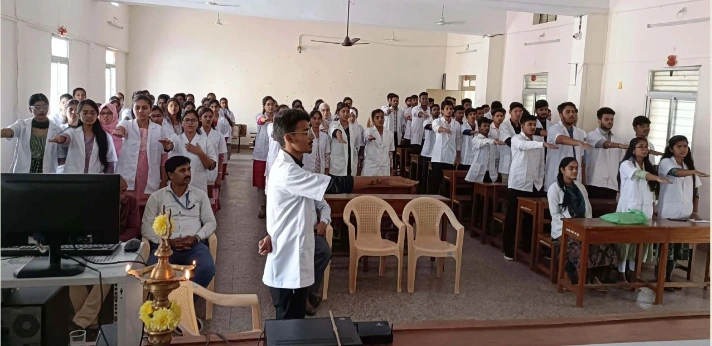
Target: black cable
{"points": [[101, 292], [259, 340], [207, 338]]}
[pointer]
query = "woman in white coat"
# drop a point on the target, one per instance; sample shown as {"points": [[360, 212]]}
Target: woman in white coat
{"points": [[678, 200], [318, 161], [172, 118], [145, 143], [344, 146], [380, 145], [226, 121], [261, 152], [215, 138], [90, 148], [568, 199], [195, 146], [638, 181], [34, 153]]}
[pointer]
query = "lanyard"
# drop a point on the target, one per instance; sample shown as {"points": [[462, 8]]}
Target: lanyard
{"points": [[187, 200]]}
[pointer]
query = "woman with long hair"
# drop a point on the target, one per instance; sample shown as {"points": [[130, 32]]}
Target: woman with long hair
{"points": [[109, 119], [638, 183], [145, 144], [318, 160], [195, 146], [678, 200], [172, 117], [568, 199], [226, 120], [34, 149], [90, 151], [261, 151], [215, 139]]}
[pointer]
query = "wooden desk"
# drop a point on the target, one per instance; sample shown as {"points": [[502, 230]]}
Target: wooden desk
{"points": [[401, 154], [661, 231], [487, 191], [389, 190]]}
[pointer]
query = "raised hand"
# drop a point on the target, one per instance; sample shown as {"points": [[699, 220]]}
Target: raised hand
{"points": [[662, 180], [371, 138], [58, 139], [701, 175], [585, 145], [498, 142], [119, 132], [550, 146], [167, 144]]}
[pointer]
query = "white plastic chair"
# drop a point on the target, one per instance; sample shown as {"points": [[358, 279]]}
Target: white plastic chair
{"points": [[329, 238], [424, 239], [366, 240]]}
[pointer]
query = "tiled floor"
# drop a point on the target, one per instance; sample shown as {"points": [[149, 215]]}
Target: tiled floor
{"points": [[490, 287]]}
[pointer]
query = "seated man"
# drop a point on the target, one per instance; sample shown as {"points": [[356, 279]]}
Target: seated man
{"points": [[193, 217], [322, 254], [87, 300]]}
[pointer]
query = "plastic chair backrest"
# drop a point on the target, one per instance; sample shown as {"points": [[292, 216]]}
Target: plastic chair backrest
{"points": [[184, 296], [369, 211], [427, 213]]}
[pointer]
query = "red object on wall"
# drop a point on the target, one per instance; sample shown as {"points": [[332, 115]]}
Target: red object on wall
{"points": [[533, 78], [672, 60], [62, 31]]}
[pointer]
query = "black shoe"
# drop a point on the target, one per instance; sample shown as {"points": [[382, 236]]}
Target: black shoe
{"points": [[310, 311], [262, 214], [314, 300]]}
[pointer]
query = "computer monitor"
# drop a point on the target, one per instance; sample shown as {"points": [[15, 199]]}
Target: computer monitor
{"points": [[58, 209]]}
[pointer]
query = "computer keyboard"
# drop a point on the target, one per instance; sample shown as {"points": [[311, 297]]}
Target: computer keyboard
{"points": [[72, 250]]}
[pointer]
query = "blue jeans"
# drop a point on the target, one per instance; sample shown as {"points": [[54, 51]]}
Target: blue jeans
{"points": [[322, 257], [200, 253]]}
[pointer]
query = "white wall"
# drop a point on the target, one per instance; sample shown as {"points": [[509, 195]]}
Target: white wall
{"points": [[468, 64], [27, 27], [633, 50], [249, 58], [553, 58]]}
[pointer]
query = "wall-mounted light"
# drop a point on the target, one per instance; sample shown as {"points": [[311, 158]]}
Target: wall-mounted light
{"points": [[542, 42], [679, 22], [467, 50]]}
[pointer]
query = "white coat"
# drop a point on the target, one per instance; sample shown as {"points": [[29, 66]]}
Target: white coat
{"points": [[321, 146], [75, 161], [506, 130], [408, 123], [555, 195], [391, 119], [290, 223], [273, 148], [554, 156], [224, 125], [416, 126], [676, 198], [526, 172], [602, 164], [340, 151], [128, 162], [494, 133], [483, 159], [216, 139], [22, 158], [377, 160], [446, 145], [635, 193], [168, 126], [467, 151], [198, 172], [261, 149], [429, 138]]}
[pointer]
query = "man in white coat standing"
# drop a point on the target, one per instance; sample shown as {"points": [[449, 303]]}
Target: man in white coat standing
{"points": [[571, 141], [604, 157], [418, 115]]}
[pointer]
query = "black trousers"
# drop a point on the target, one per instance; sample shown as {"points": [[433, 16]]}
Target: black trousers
{"points": [[423, 173], [289, 303], [436, 178], [597, 192], [510, 223], [405, 143], [463, 167], [415, 149]]}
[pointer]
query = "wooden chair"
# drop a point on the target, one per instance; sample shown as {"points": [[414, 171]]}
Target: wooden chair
{"points": [[413, 168], [366, 240], [497, 217], [544, 240], [213, 246], [424, 239], [688, 266], [188, 320], [458, 202], [325, 289]]}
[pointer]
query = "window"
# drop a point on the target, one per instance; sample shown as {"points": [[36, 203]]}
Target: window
{"points": [[535, 85], [468, 84], [541, 18], [670, 104], [110, 74], [59, 71]]}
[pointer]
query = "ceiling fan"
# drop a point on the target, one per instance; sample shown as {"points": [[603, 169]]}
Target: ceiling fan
{"points": [[348, 42], [442, 21], [213, 3], [218, 22]]}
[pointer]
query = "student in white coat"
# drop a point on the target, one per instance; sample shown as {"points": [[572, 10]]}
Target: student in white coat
{"points": [[570, 139], [641, 127], [58, 118], [638, 182], [428, 144], [318, 161], [195, 146], [507, 130], [326, 117], [172, 117], [344, 146], [226, 121], [261, 150], [568, 199], [446, 150], [407, 120], [353, 119], [603, 159], [34, 153], [542, 111], [470, 128], [526, 179], [418, 114], [145, 142], [482, 167], [380, 145], [680, 199], [393, 116], [90, 148], [215, 138]]}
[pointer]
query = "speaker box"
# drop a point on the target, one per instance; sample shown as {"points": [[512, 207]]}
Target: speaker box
{"points": [[36, 316]]}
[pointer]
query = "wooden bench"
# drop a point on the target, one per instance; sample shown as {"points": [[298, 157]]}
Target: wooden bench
{"points": [[497, 217], [486, 191], [401, 154], [238, 131], [456, 180], [413, 168]]}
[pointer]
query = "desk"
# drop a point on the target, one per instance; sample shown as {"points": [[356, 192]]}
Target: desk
{"points": [[388, 190], [487, 191], [130, 292], [661, 231]]}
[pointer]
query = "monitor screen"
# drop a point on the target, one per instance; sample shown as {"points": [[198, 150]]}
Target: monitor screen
{"points": [[59, 207]]}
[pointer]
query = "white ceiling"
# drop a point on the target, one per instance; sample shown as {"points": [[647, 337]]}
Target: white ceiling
{"points": [[480, 16]]}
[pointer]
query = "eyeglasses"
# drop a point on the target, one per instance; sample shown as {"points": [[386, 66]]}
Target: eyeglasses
{"points": [[86, 113], [154, 116], [190, 120], [40, 108], [307, 132]]}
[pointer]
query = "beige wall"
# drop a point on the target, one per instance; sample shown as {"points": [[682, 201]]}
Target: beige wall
{"points": [[177, 50]]}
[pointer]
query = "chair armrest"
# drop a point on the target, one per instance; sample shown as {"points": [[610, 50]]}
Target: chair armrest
{"points": [[213, 246], [456, 225], [245, 300], [329, 234]]}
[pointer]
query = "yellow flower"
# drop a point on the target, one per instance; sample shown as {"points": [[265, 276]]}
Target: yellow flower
{"points": [[159, 225], [161, 319], [145, 312]]}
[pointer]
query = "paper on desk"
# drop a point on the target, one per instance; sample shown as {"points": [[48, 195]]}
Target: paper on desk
{"points": [[699, 221]]}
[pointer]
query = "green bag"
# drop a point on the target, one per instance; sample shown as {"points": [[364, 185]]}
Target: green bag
{"points": [[631, 217]]}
